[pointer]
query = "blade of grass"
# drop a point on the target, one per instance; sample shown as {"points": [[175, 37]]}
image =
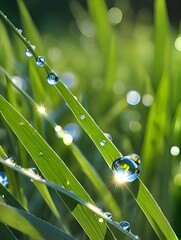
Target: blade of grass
{"points": [[52, 167], [110, 153], [161, 39], [30, 225], [85, 165], [72, 197], [6, 233]]}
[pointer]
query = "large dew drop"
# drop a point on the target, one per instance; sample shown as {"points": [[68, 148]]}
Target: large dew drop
{"points": [[127, 168], [52, 78], [125, 225], [40, 61], [3, 178]]}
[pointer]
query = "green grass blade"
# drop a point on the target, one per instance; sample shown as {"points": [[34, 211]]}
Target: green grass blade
{"points": [[6, 233], [51, 166], [30, 225], [29, 27], [161, 39], [73, 198], [98, 11]]}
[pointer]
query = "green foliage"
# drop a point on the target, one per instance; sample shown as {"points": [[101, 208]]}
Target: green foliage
{"points": [[73, 183]]}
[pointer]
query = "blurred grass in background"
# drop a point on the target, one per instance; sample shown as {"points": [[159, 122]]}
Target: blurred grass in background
{"points": [[102, 55]]}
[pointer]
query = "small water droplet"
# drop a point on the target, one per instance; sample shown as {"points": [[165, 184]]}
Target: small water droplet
{"points": [[28, 53], [20, 30], [108, 136], [73, 130], [127, 168], [82, 116], [40, 61], [33, 170], [108, 215], [125, 225], [40, 154], [68, 183], [3, 179], [3, 196], [10, 160], [137, 237], [52, 78], [103, 143], [133, 97], [101, 220], [21, 124]]}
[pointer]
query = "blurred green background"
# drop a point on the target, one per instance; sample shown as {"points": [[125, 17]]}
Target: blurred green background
{"points": [[138, 48]]}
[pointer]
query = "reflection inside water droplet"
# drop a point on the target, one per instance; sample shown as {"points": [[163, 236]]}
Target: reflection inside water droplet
{"points": [[40, 61], [28, 52], [125, 225], [127, 168], [52, 78], [20, 30], [33, 170], [3, 179]]}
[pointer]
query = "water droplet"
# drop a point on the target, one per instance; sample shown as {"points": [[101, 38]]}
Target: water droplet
{"points": [[133, 97], [127, 168], [101, 220], [40, 61], [108, 215], [125, 225], [82, 116], [3, 179], [175, 151], [68, 183], [20, 30], [40, 154], [73, 130], [10, 160], [3, 196], [136, 237], [178, 43], [52, 78], [108, 136], [115, 15], [28, 53], [103, 143], [67, 139], [33, 170], [147, 100], [21, 124]]}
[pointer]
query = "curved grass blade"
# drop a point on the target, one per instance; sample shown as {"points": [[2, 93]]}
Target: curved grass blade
{"points": [[6, 233], [110, 153], [72, 197], [85, 165], [52, 167], [30, 225]]}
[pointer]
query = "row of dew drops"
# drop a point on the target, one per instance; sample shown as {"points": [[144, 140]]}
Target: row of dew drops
{"points": [[127, 168], [33, 172]]}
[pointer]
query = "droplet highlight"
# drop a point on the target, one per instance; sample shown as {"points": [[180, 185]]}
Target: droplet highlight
{"points": [[52, 78], [127, 168], [125, 225], [3, 179], [175, 151], [40, 61], [103, 143], [28, 53]]}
